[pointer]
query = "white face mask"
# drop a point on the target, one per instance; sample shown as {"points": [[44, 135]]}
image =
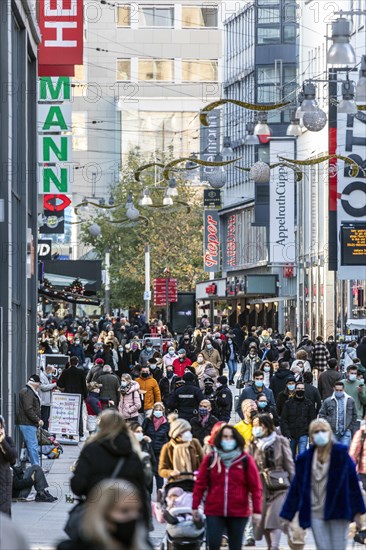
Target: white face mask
{"points": [[187, 436], [199, 359], [139, 436]]}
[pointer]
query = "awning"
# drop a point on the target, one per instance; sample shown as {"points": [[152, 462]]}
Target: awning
{"points": [[62, 296], [356, 324], [272, 300]]}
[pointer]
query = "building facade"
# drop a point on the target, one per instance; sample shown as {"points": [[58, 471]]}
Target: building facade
{"points": [[19, 37]]}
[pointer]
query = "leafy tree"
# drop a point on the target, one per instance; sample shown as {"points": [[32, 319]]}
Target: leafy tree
{"points": [[175, 234]]}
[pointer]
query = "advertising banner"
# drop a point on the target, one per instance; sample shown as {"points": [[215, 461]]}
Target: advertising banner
{"points": [[282, 206], [160, 291], [64, 415], [351, 197], [210, 142], [211, 241]]}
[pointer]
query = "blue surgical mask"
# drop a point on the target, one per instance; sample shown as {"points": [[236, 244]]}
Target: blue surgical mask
{"points": [[148, 349], [257, 431], [158, 414], [228, 444], [339, 394], [267, 369], [291, 387], [171, 352], [352, 377], [321, 438], [258, 383], [262, 404], [209, 346]]}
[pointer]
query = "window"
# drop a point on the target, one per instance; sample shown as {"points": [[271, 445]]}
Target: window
{"points": [[196, 17], [123, 69], [79, 134], [199, 70], [123, 16], [268, 35], [156, 69], [289, 33], [156, 16], [268, 15], [78, 81]]}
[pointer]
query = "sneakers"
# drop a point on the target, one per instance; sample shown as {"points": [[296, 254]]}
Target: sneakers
{"points": [[49, 495], [250, 542], [44, 497], [82, 438]]}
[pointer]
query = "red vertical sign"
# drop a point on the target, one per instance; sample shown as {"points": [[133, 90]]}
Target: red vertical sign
{"points": [[160, 291]]}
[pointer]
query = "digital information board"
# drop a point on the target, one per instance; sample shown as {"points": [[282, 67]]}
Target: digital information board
{"points": [[353, 244]]}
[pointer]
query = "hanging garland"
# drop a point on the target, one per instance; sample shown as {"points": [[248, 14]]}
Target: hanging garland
{"points": [[47, 285], [310, 162], [76, 287], [200, 162], [299, 174], [251, 106], [145, 167]]}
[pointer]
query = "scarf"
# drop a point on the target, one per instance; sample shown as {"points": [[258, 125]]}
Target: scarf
{"points": [[203, 419], [228, 457], [126, 389], [266, 442], [182, 461], [158, 422]]}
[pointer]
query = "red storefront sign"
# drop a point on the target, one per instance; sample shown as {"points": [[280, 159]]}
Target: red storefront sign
{"points": [[211, 241], [160, 291], [56, 203], [61, 25]]}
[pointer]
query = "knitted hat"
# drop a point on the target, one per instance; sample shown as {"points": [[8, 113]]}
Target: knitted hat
{"points": [[177, 427], [222, 380], [188, 377], [99, 361]]}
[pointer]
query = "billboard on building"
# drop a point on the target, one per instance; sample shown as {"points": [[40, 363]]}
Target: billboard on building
{"points": [[282, 247], [211, 241], [210, 142]]}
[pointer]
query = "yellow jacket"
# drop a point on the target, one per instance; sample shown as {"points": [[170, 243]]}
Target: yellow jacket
{"points": [[245, 430]]}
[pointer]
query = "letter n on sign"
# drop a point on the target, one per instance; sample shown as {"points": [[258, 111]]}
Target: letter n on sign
{"points": [[211, 241]]}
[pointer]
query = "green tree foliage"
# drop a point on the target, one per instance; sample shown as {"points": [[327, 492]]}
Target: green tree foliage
{"points": [[175, 234]]}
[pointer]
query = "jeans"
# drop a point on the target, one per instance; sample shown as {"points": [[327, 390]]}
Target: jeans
{"points": [[234, 528], [40, 482], [299, 444], [45, 415], [233, 367], [30, 437], [331, 534], [344, 439]]}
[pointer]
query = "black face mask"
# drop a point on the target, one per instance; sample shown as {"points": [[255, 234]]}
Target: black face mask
{"points": [[145, 374], [124, 532], [169, 373], [300, 393], [253, 414]]}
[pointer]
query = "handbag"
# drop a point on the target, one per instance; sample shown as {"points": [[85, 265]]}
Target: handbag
{"points": [[276, 480], [72, 527], [240, 384]]}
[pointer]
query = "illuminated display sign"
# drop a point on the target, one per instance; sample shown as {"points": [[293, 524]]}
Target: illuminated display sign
{"points": [[353, 244]]}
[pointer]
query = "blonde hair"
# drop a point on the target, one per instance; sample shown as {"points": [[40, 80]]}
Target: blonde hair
{"points": [[302, 355], [110, 425], [125, 376], [100, 502], [321, 424]]}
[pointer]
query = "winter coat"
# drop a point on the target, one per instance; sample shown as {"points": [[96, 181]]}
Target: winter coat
{"points": [[152, 394], [180, 366], [29, 407], [343, 494], [8, 455], [145, 356], [72, 380], [77, 351], [166, 457], [209, 372], [312, 393], [249, 366], [199, 430], [93, 404], [252, 392], [297, 413], [228, 489], [158, 437], [320, 356], [213, 356], [332, 348], [186, 400], [361, 352], [281, 400], [167, 386], [281, 460], [358, 450], [94, 372], [245, 345], [223, 403], [329, 411], [129, 358], [157, 374], [46, 389], [130, 402], [232, 348], [98, 460], [110, 388], [279, 381], [326, 382], [168, 359]]}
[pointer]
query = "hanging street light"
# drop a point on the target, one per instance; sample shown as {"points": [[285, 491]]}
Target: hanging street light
{"points": [[262, 128], [172, 190], [294, 128], [309, 103], [250, 138], [146, 199], [348, 104], [167, 200], [226, 150], [341, 52]]}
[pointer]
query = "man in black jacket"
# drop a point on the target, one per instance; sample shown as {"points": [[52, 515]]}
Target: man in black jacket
{"points": [[203, 422], [297, 413], [186, 398], [279, 379], [167, 384], [73, 380], [29, 416], [109, 393], [223, 400], [311, 392]]}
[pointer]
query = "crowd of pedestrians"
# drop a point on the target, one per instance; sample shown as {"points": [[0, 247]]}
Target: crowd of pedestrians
{"points": [[159, 409]]}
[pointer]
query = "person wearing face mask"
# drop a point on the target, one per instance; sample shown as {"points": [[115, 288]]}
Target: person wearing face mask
{"points": [[77, 350], [296, 416], [252, 391], [155, 367], [93, 406], [267, 369], [169, 357], [199, 366], [229, 478], [156, 427], [356, 389], [182, 453], [146, 353], [250, 365], [248, 410], [149, 391], [203, 422], [264, 407], [209, 372], [325, 490], [231, 356], [46, 394], [280, 377], [167, 384], [223, 400], [185, 399], [273, 457], [130, 402], [212, 355], [112, 520], [340, 411], [181, 362], [289, 391], [147, 455]]}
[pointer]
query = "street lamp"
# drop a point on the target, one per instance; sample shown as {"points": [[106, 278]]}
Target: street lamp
{"points": [[167, 200], [294, 128], [348, 104], [146, 198], [226, 150], [262, 128], [172, 190], [309, 103], [250, 138], [341, 52], [361, 84]]}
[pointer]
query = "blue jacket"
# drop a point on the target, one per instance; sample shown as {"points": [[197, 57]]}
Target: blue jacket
{"points": [[158, 437], [251, 392], [343, 495]]}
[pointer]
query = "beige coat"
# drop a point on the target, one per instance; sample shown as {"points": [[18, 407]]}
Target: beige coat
{"points": [[273, 501], [166, 457], [213, 356]]}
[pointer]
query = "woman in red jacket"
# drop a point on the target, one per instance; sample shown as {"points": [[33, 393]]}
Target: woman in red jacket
{"points": [[229, 475]]}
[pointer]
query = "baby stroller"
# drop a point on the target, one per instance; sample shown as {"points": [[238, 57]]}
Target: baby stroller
{"points": [[181, 532]]}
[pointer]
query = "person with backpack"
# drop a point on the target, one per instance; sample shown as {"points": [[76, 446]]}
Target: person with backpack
{"points": [[225, 472]]}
